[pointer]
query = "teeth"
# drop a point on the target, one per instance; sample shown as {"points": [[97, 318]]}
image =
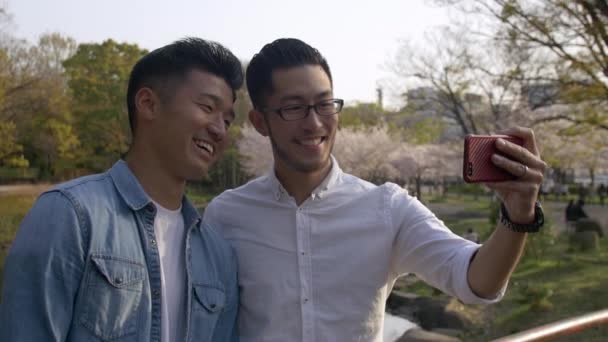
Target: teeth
{"points": [[311, 142], [204, 145]]}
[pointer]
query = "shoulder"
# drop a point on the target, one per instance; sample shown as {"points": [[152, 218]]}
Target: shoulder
{"points": [[82, 187], [252, 191]]}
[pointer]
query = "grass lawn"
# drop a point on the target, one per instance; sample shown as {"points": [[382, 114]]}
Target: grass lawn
{"points": [[549, 284], [12, 210]]}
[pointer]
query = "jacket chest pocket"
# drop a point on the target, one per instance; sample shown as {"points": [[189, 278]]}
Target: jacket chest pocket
{"points": [[112, 296], [207, 304]]}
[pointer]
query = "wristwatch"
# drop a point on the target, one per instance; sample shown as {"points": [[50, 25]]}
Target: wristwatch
{"points": [[534, 227]]}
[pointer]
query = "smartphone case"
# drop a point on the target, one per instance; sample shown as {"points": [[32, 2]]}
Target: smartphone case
{"points": [[478, 166]]}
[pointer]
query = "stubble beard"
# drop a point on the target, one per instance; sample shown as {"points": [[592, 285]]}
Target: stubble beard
{"points": [[302, 167]]}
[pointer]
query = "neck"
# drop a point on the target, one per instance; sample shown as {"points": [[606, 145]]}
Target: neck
{"points": [[300, 185], [158, 183]]}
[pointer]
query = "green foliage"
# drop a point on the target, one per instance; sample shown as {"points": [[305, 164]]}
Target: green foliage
{"points": [[98, 76], [10, 150], [362, 115], [467, 189], [18, 174]]}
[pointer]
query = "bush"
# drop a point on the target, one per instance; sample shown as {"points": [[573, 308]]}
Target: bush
{"points": [[584, 241], [467, 189], [12, 175], [589, 225]]}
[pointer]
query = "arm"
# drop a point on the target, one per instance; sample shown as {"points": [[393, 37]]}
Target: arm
{"points": [[425, 246], [495, 261], [42, 273]]}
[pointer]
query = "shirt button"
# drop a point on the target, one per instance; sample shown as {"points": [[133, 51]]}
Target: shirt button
{"points": [[156, 293], [153, 242], [305, 300], [118, 281]]}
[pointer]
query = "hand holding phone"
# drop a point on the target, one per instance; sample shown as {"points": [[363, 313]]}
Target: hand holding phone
{"points": [[477, 164]]}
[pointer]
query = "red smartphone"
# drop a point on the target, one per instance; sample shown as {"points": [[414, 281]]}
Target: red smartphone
{"points": [[477, 166]]}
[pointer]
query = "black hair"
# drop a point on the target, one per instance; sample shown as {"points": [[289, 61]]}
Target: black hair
{"points": [[281, 54], [175, 60]]}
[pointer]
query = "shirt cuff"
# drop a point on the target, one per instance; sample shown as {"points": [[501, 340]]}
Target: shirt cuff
{"points": [[465, 294]]}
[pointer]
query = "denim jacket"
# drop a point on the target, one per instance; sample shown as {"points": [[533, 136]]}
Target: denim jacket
{"points": [[85, 267]]}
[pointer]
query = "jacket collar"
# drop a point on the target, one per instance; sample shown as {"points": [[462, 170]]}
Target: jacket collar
{"points": [[136, 198]]}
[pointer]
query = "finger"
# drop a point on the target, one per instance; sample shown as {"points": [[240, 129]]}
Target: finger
{"points": [[526, 134], [521, 154], [519, 170]]}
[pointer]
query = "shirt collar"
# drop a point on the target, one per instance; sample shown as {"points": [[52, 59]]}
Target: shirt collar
{"points": [[128, 186], [136, 198], [327, 184]]}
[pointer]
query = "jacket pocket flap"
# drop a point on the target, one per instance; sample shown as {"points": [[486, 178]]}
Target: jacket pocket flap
{"points": [[119, 273], [212, 298]]}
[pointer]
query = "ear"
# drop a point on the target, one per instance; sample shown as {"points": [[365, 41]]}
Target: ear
{"points": [[147, 104], [259, 122]]}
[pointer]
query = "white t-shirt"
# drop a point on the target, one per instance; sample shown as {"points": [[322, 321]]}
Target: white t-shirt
{"points": [[171, 240]]}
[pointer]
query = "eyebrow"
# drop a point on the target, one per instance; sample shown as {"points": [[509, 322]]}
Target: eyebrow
{"points": [[298, 97], [216, 101]]}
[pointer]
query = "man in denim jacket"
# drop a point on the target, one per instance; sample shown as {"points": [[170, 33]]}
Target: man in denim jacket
{"points": [[123, 254]]}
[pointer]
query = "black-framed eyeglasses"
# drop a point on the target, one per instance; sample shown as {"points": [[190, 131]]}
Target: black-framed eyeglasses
{"points": [[300, 111]]}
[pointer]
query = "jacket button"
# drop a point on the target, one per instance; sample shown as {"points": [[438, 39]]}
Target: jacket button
{"points": [[118, 281]]}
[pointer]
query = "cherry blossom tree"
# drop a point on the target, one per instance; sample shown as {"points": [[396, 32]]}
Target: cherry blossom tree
{"points": [[255, 151]]}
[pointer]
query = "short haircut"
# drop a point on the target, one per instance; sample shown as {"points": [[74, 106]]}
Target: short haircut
{"points": [[174, 61], [283, 53]]}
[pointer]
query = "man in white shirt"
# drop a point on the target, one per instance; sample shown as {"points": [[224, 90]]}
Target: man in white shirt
{"points": [[318, 249]]}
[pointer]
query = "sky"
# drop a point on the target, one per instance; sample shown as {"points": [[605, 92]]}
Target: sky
{"points": [[358, 38]]}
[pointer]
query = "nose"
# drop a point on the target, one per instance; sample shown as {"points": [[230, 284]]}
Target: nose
{"points": [[216, 127], [312, 120]]}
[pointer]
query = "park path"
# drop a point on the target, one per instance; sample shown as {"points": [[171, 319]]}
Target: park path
{"points": [[553, 209], [23, 189]]}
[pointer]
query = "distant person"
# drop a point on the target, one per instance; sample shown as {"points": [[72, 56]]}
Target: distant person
{"points": [[123, 255], [602, 192], [471, 235], [319, 249], [579, 210], [570, 215]]}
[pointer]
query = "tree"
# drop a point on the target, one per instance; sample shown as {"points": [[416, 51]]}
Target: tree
{"points": [[570, 36], [98, 76], [362, 114], [427, 162], [471, 90], [10, 150], [255, 151], [34, 95], [364, 152], [563, 149]]}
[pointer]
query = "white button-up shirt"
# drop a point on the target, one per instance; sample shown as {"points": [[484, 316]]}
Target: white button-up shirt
{"points": [[322, 271]]}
